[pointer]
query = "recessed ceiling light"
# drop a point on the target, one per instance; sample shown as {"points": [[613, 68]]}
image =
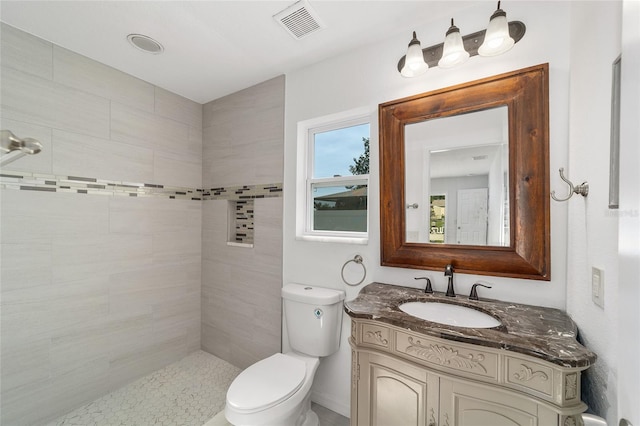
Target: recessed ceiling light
{"points": [[145, 43]]}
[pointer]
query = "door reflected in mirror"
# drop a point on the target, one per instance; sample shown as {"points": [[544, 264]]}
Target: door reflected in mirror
{"points": [[457, 173]]}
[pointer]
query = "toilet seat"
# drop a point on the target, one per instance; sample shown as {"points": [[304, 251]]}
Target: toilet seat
{"points": [[266, 383]]}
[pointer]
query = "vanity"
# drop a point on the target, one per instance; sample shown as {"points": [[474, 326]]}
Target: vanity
{"points": [[410, 371]]}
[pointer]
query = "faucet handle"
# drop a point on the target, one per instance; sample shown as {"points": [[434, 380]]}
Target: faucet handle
{"points": [[428, 288], [474, 292]]}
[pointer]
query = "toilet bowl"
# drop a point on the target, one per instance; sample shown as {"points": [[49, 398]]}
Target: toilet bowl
{"points": [[276, 391]]}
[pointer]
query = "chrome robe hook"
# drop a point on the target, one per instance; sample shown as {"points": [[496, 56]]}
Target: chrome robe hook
{"points": [[582, 189]]}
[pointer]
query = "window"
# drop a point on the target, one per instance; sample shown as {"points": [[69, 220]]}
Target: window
{"points": [[437, 215], [333, 178]]}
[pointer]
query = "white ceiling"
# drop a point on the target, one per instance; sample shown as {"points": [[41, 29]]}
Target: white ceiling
{"points": [[213, 48]]}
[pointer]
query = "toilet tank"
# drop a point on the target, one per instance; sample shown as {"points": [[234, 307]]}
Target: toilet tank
{"points": [[313, 317]]}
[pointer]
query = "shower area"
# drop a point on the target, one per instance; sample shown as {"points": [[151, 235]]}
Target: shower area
{"points": [[115, 200]]}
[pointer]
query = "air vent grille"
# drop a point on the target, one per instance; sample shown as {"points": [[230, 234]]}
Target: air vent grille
{"points": [[299, 20]]}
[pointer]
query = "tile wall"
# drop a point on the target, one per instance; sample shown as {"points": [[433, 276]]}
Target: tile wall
{"points": [[96, 290], [243, 143]]}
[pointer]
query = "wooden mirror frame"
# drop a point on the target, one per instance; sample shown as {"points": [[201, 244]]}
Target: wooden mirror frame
{"points": [[526, 94]]}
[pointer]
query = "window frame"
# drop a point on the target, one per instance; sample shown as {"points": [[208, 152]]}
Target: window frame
{"points": [[306, 182]]}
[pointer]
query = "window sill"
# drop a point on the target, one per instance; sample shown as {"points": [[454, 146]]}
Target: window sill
{"points": [[333, 239]]}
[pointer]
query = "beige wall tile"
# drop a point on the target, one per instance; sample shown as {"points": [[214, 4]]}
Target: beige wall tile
{"points": [[25, 265], [184, 246], [176, 107], [96, 291], [80, 72], [133, 215], [38, 101], [231, 107], [25, 52], [34, 216], [18, 407], [243, 144], [73, 388], [132, 125], [24, 364], [180, 168], [244, 136], [85, 256], [80, 155], [138, 363]]}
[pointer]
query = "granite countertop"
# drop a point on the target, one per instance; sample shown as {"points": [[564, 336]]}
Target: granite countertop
{"points": [[545, 333]]}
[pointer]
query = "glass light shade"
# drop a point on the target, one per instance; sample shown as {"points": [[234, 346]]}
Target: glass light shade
{"points": [[496, 39], [453, 52], [414, 64]]}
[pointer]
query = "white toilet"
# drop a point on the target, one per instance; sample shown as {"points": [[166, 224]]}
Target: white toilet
{"points": [[276, 390]]}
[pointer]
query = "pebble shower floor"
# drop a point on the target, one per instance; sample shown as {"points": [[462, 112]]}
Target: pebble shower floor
{"points": [[186, 393]]}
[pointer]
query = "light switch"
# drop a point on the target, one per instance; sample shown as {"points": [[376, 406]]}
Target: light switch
{"points": [[597, 286]]}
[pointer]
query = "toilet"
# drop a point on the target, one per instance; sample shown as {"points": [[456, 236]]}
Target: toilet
{"points": [[276, 391]]}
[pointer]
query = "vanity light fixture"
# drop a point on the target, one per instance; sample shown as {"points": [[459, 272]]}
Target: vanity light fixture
{"points": [[499, 37]]}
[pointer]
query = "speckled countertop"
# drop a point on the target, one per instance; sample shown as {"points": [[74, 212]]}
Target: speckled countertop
{"points": [[545, 333]]}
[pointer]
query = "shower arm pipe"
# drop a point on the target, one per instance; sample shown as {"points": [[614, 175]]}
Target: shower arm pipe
{"points": [[11, 157], [13, 147]]}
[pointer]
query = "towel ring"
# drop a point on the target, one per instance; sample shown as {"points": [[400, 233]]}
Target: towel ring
{"points": [[358, 260]]}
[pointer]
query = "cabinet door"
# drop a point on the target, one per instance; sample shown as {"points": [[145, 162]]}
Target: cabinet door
{"points": [[394, 393], [466, 404]]}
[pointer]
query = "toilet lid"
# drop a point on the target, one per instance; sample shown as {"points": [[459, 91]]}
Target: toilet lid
{"points": [[266, 383]]}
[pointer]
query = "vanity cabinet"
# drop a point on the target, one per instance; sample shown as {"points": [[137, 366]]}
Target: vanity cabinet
{"points": [[405, 378], [393, 392]]}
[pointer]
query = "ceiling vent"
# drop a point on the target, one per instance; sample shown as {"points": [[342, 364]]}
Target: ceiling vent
{"points": [[299, 20]]}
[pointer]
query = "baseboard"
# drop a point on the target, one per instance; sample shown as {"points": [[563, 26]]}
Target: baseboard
{"points": [[329, 402]]}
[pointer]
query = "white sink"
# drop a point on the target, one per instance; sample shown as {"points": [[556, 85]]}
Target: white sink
{"points": [[446, 313]]}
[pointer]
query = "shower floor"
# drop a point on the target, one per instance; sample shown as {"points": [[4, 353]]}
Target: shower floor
{"points": [[186, 393]]}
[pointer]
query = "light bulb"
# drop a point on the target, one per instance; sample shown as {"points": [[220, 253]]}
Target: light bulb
{"points": [[453, 52], [497, 39], [414, 64]]}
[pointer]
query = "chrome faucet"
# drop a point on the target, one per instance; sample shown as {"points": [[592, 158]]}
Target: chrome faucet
{"points": [[428, 288], [448, 272]]}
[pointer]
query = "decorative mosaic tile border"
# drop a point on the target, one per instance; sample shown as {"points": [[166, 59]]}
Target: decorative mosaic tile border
{"points": [[243, 227], [26, 181], [245, 192]]}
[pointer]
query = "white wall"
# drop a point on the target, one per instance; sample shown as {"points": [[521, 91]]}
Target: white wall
{"points": [[593, 228], [368, 77], [628, 325]]}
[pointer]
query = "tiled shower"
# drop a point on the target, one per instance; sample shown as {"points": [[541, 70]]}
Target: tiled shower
{"points": [[115, 254]]}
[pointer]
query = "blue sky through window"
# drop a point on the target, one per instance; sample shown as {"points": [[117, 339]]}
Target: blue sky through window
{"points": [[335, 150]]}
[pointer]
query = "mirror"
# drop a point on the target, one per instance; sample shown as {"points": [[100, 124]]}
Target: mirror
{"points": [[456, 179], [464, 177]]}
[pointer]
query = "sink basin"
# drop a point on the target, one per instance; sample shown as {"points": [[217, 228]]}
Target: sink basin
{"points": [[446, 313]]}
